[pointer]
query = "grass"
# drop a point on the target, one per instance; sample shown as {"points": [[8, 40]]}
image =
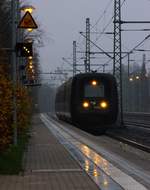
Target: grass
{"points": [[11, 160]]}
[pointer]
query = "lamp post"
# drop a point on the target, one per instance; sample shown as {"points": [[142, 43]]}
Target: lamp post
{"points": [[13, 60], [14, 16]]}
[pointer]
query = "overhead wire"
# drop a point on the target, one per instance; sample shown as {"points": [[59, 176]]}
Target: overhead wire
{"points": [[104, 64], [107, 25], [140, 43], [104, 29], [99, 19], [109, 22]]}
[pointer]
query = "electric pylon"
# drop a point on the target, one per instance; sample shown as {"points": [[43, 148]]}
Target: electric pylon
{"points": [[117, 65], [87, 53], [74, 58]]}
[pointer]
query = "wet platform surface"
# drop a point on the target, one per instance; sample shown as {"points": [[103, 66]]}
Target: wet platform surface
{"points": [[48, 165], [55, 160]]}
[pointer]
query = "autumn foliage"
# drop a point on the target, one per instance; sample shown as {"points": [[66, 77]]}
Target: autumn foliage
{"points": [[7, 91], [23, 108], [6, 108]]}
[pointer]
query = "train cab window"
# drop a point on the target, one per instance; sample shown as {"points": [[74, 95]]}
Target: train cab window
{"points": [[94, 90]]}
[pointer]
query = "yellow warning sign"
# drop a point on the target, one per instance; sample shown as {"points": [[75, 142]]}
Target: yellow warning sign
{"points": [[27, 21]]}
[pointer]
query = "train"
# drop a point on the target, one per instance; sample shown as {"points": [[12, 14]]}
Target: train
{"points": [[88, 100]]}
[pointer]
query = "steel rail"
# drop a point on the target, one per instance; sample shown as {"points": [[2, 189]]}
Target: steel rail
{"points": [[129, 142], [137, 124], [144, 114]]}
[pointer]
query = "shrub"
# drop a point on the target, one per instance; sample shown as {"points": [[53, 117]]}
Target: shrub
{"points": [[6, 109]]}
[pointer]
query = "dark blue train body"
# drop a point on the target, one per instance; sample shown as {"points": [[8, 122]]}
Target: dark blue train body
{"points": [[88, 99]]}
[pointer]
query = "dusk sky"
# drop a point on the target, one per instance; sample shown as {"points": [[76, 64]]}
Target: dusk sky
{"points": [[62, 20]]}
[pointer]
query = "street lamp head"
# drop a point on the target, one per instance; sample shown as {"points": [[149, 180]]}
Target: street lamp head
{"points": [[28, 8]]}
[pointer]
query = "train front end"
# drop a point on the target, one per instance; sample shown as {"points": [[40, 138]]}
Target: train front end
{"points": [[96, 101]]}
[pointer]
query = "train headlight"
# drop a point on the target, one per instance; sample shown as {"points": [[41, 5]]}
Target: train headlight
{"points": [[94, 82], [103, 104], [85, 104]]}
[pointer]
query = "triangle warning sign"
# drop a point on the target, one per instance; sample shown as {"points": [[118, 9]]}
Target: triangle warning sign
{"points": [[27, 21]]}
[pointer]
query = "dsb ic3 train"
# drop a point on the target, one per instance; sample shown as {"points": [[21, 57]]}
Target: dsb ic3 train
{"points": [[88, 100]]}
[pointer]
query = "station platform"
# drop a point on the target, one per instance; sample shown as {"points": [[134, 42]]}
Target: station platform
{"points": [[53, 163], [47, 165]]}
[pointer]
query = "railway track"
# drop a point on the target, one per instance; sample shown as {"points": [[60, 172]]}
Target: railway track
{"points": [[128, 141], [141, 124], [136, 131]]}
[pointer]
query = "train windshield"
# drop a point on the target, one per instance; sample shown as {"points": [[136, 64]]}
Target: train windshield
{"points": [[94, 91]]}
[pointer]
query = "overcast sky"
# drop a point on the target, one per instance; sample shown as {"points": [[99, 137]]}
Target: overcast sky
{"points": [[63, 19]]}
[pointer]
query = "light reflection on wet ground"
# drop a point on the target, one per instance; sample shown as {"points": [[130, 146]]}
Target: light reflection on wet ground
{"points": [[101, 178], [96, 158], [105, 175], [89, 161]]}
